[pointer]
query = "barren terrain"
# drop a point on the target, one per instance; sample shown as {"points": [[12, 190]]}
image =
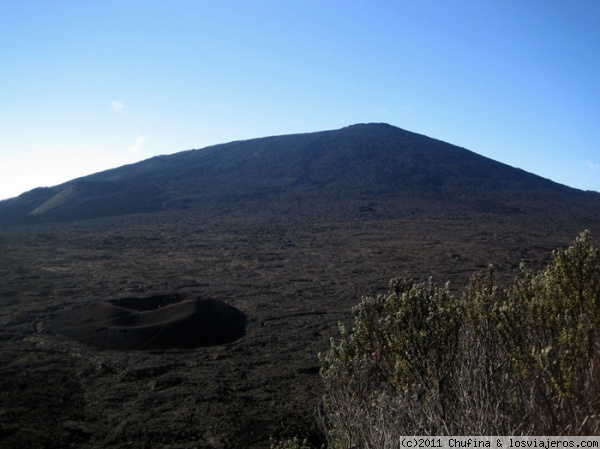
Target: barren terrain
{"points": [[293, 237], [294, 281]]}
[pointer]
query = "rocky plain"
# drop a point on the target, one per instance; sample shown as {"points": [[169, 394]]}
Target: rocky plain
{"points": [[290, 230]]}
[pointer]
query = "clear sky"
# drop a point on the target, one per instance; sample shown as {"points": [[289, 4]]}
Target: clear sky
{"points": [[95, 84]]}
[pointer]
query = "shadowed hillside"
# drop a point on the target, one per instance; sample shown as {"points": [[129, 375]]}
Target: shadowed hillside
{"points": [[355, 172], [291, 231]]}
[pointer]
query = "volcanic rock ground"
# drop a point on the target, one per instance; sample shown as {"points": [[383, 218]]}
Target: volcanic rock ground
{"points": [[293, 278], [290, 230]]}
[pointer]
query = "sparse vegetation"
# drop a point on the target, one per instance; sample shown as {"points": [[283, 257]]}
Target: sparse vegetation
{"points": [[293, 443], [518, 360]]}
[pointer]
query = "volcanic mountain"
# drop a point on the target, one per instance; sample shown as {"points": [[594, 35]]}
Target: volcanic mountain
{"points": [[361, 171], [182, 301]]}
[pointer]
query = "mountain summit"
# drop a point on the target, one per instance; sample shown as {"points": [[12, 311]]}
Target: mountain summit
{"points": [[356, 172], [248, 254]]}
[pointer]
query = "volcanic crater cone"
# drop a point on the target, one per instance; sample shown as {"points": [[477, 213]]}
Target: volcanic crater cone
{"points": [[164, 321]]}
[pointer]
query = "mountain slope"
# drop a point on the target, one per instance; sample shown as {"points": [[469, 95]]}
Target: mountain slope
{"points": [[291, 230], [357, 171]]}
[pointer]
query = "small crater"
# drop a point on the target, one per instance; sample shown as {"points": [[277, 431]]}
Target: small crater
{"points": [[173, 320]]}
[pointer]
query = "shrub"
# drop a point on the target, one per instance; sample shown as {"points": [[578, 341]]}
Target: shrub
{"points": [[551, 332], [519, 360], [399, 351]]}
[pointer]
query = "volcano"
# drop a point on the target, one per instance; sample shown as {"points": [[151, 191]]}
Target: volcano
{"points": [[359, 171], [183, 301]]}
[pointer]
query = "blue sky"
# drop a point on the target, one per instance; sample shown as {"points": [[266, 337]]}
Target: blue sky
{"points": [[90, 85]]}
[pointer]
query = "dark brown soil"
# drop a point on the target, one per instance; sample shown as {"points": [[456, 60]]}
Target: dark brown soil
{"points": [[294, 279]]}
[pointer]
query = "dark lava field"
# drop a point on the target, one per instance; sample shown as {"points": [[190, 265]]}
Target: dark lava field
{"points": [[319, 229]]}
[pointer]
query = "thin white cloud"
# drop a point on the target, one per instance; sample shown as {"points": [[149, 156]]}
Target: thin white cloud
{"points": [[118, 106], [593, 165], [139, 141]]}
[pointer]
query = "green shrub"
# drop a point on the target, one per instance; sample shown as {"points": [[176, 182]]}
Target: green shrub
{"points": [[520, 360], [551, 332], [392, 370]]}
